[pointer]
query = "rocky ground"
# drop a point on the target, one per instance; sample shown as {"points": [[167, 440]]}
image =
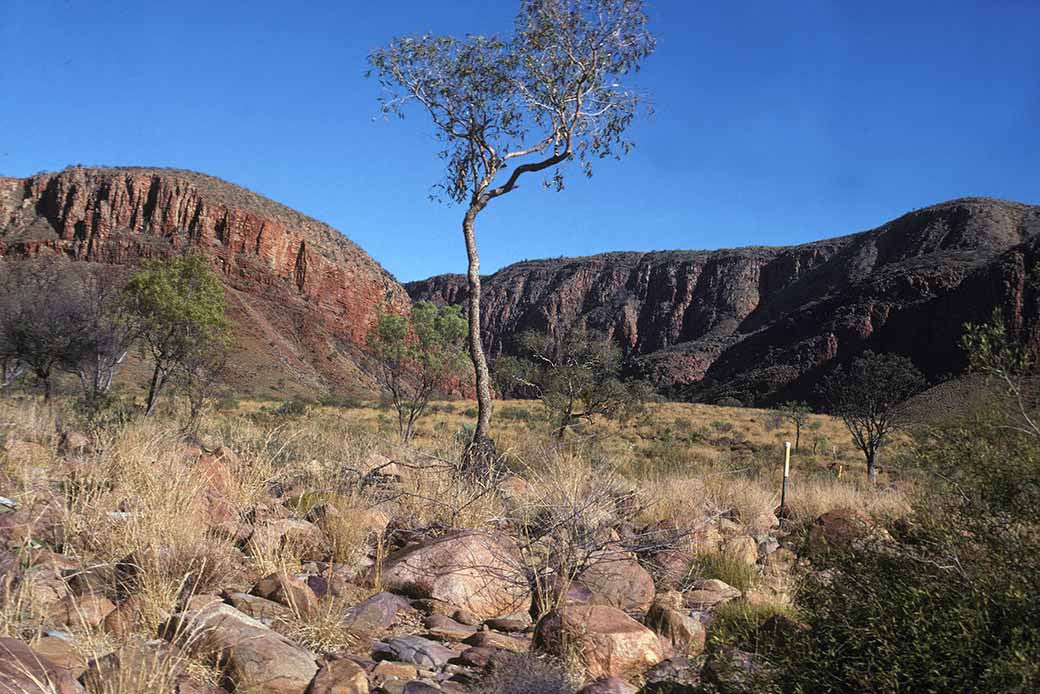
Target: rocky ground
{"points": [[257, 560]]}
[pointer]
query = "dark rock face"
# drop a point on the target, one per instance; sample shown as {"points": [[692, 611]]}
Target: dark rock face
{"points": [[303, 296], [763, 323]]}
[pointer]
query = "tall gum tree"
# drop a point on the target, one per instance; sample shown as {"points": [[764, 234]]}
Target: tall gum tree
{"points": [[505, 107]]}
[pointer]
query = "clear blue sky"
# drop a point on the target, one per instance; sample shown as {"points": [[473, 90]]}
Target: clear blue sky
{"points": [[776, 123]]}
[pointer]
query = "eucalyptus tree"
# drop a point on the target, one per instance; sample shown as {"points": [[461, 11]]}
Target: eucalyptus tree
{"points": [[503, 107]]}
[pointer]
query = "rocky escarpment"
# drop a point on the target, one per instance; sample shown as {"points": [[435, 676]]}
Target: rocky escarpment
{"points": [[763, 323], [303, 295]]}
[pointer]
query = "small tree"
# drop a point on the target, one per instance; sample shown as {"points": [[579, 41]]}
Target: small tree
{"points": [[417, 355], [505, 107], [798, 414], [199, 378], [870, 396], [1012, 366], [43, 326], [109, 329], [576, 378], [181, 308]]}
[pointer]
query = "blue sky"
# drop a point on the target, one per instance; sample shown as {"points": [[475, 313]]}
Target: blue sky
{"points": [[776, 122]]}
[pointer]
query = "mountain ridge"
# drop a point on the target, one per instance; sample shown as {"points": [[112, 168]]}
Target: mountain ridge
{"points": [[303, 295], [682, 317]]}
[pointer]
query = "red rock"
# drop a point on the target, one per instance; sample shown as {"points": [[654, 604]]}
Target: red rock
{"points": [[606, 641], [763, 318], [476, 571], [24, 672], [340, 677], [287, 590], [296, 282]]}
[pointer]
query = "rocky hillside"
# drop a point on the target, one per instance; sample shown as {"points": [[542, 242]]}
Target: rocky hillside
{"points": [[762, 323], [303, 295]]}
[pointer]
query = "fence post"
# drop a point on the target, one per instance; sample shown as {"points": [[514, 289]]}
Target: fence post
{"points": [[783, 488]]}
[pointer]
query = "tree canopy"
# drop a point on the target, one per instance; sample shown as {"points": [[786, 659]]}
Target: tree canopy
{"points": [[577, 377], [181, 308], [870, 396], [503, 107], [416, 355]]}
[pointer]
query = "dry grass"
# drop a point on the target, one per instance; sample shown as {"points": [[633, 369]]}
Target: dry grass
{"points": [[130, 513]]}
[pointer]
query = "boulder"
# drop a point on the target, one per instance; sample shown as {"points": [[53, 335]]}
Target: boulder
{"points": [[731, 669], [606, 641], [86, 610], [24, 672], [74, 443], [418, 651], [668, 618], [617, 580], [675, 674], [263, 610], [285, 589], [501, 642], [741, 548], [62, 652], [447, 629], [374, 615], [708, 593], [479, 572], [340, 676], [256, 658], [305, 540], [838, 530]]}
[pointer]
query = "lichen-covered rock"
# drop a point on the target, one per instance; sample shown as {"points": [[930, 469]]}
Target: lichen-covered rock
{"points": [[480, 572], [256, 658], [605, 640]]}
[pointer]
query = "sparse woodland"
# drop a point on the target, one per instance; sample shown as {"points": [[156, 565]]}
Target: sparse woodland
{"points": [[567, 530]]}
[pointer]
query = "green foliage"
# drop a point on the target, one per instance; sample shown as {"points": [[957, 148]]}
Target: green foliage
{"points": [[747, 625], [550, 92], [577, 378], [417, 355], [725, 567], [951, 608], [516, 414], [729, 401], [1012, 366], [797, 413], [722, 427], [870, 396], [181, 309]]}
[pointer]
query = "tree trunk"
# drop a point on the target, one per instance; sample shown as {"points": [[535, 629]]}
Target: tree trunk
{"points": [[797, 436], [154, 387], [482, 449], [872, 467]]}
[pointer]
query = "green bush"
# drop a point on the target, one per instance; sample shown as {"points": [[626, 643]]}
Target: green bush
{"points": [[952, 607], [724, 567], [744, 625], [515, 413]]}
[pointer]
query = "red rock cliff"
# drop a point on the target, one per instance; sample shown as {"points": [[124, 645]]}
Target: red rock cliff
{"points": [[303, 295], [762, 323]]}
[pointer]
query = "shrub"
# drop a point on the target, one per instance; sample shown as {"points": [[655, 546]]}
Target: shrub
{"points": [[949, 609], [724, 567], [514, 413], [729, 401], [523, 673], [292, 408], [721, 427]]}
